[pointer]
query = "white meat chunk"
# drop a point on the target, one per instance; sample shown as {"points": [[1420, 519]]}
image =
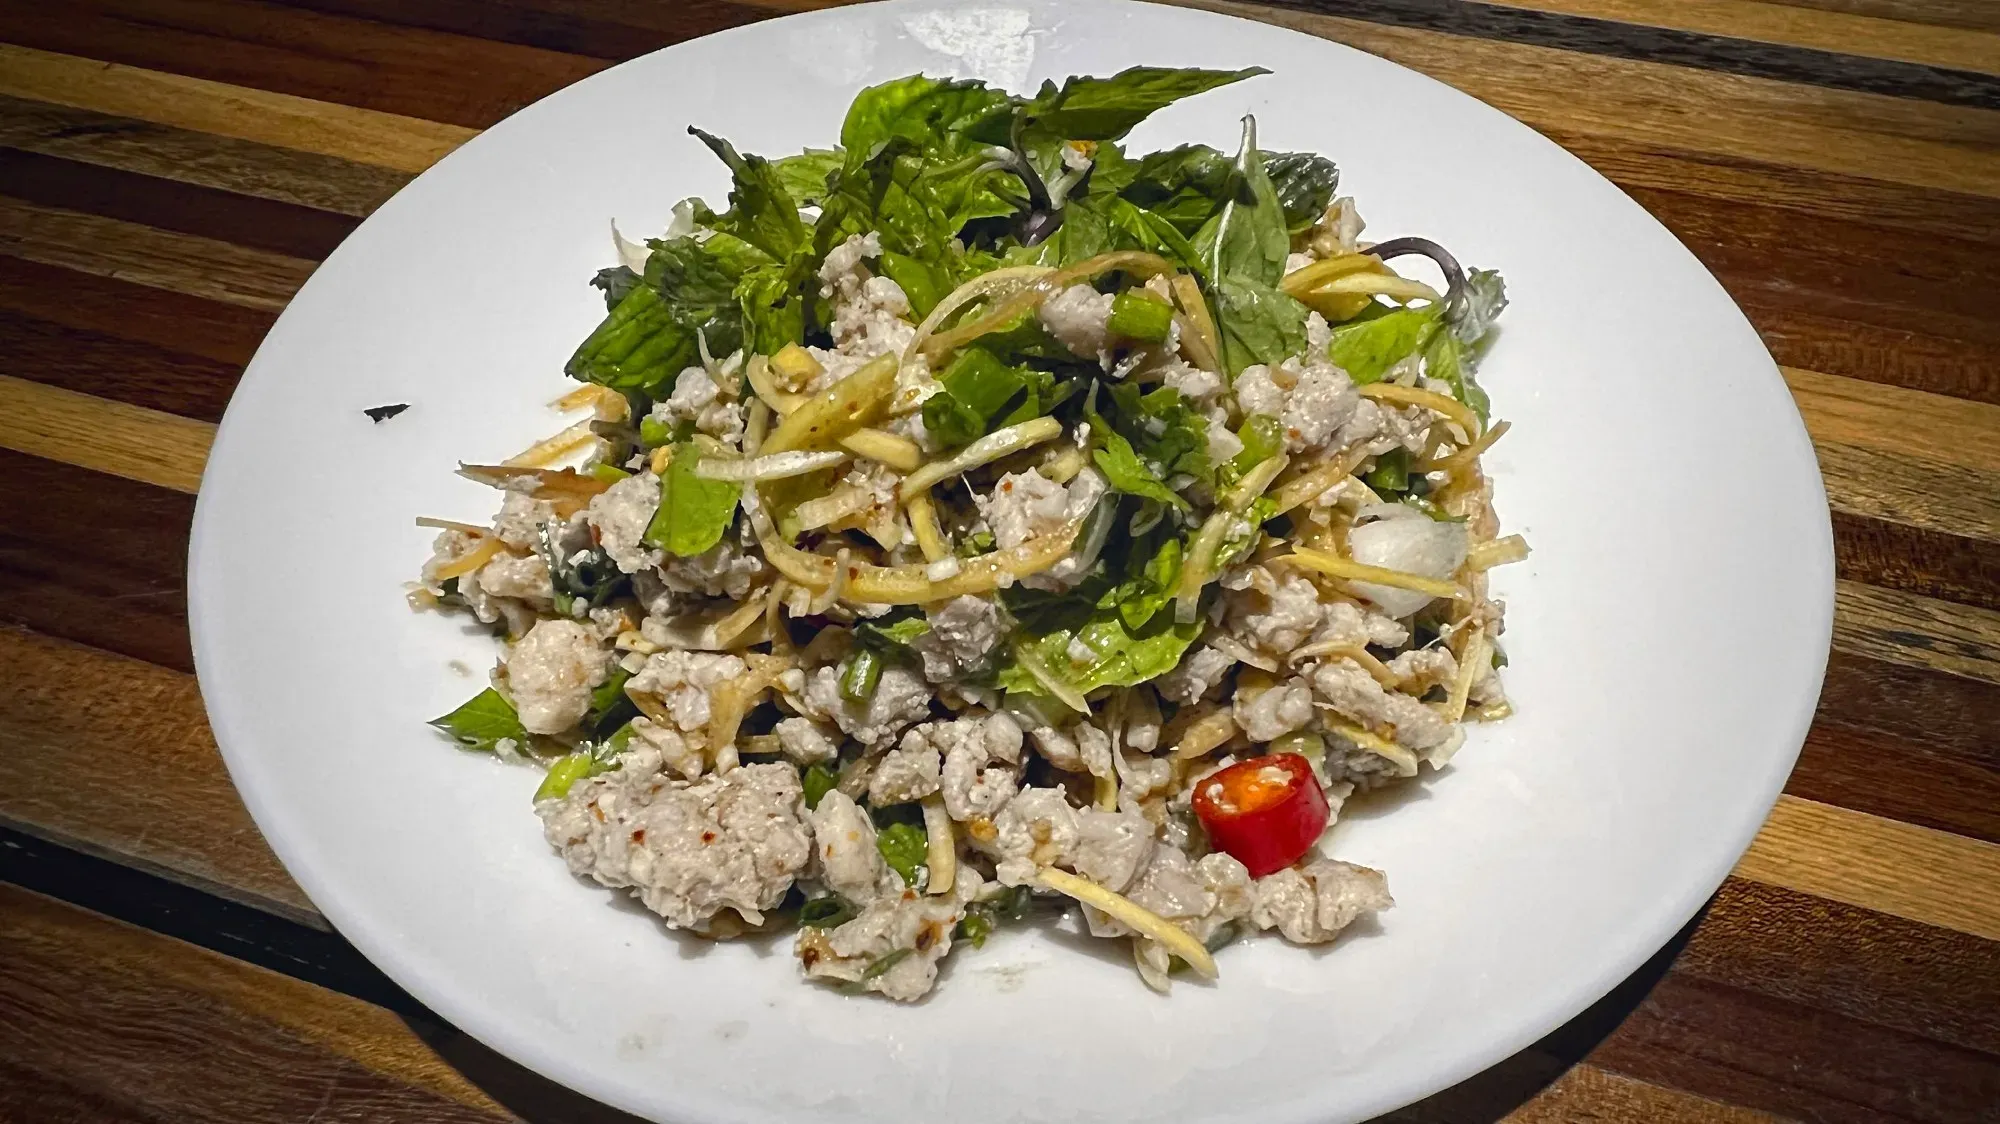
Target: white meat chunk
{"points": [[805, 741], [905, 774], [1037, 828], [1420, 669], [1197, 674], [697, 398], [727, 569], [844, 851], [1111, 847], [524, 579], [1077, 748], [1026, 505], [1278, 621], [868, 311], [1078, 317], [550, 674], [962, 635], [519, 523], [619, 516], [1311, 398], [1200, 897], [982, 770], [1197, 385], [1310, 904], [687, 850], [901, 697], [1347, 688], [683, 683], [914, 929], [1275, 712]]}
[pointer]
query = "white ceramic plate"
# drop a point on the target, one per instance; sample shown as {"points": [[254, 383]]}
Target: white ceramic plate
{"points": [[1667, 638]]}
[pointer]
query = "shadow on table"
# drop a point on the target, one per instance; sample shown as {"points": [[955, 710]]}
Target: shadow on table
{"points": [[1481, 1099]]}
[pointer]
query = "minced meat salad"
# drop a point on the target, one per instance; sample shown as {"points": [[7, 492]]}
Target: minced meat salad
{"points": [[974, 515]]}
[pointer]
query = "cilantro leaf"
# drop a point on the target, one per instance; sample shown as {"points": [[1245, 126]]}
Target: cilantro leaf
{"points": [[693, 513], [483, 721]]}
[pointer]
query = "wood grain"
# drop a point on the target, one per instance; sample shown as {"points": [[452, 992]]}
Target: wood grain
{"points": [[460, 80], [1948, 714], [1902, 141], [1932, 563], [1917, 631], [110, 1014], [115, 368], [183, 263], [1880, 864], [130, 773], [1837, 31], [261, 116], [242, 167], [1842, 411], [96, 433], [1898, 778], [95, 559]]}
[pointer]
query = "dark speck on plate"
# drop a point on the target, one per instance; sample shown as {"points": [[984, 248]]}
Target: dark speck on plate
{"points": [[384, 413]]}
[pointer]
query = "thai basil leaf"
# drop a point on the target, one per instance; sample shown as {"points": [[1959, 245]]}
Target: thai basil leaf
{"points": [[1367, 349], [1248, 237], [1104, 109], [484, 721], [1258, 323], [694, 513], [928, 111]]}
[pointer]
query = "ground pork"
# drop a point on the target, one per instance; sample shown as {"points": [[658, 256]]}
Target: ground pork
{"points": [[619, 515], [962, 635], [551, 672], [901, 697], [1312, 903]]}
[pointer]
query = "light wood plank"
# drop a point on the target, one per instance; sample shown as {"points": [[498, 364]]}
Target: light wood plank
{"points": [[144, 255], [96, 433], [1920, 144], [205, 159], [1586, 1094], [1916, 631], [1839, 32], [1911, 490], [368, 136], [1872, 415], [113, 756], [1913, 872]]}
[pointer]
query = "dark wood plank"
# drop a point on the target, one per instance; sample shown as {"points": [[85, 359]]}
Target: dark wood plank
{"points": [[1898, 778], [1947, 714], [308, 179], [605, 29], [1819, 336], [1776, 258], [265, 224], [435, 75], [1738, 1046], [1918, 560], [94, 363], [95, 559], [1878, 969], [227, 334], [100, 1013], [1900, 207]]}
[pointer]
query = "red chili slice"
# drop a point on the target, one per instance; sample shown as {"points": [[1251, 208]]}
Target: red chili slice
{"points": [[1266, 812]]}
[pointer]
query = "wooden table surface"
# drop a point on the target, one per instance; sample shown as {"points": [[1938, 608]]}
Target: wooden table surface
{"points": [[171, 171]]}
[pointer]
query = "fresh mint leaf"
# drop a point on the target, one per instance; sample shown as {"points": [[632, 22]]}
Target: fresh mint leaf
{"points": [[1304, 183], [936, 112], [1105, 109], [804, 176], [654, 330], [1115, 616], [761, 212], [905, 847], [1186, 186], [694, 513], [484, 721], [1258, 323], [615, 283]]}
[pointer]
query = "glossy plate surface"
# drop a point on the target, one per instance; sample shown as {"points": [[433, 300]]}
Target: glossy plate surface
{"points": [[1667, 637]]}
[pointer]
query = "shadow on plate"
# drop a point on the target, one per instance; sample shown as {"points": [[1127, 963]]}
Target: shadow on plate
{"points": [[1483, 1099]]}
